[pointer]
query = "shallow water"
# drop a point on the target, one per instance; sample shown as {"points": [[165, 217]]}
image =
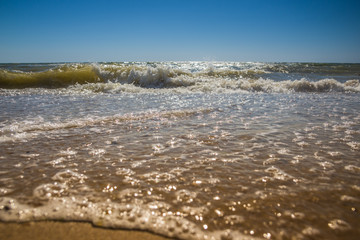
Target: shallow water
{"points": [[184, 163]]}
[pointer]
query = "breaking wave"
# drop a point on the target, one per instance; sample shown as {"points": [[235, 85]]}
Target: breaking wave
{"points": [[145, 77]]}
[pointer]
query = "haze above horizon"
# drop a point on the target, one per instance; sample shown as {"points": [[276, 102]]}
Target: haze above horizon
{"points": [[174, 30]]}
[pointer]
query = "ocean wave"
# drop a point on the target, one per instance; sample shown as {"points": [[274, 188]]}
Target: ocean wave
{"points": [[314, 68], [138, 75], [52, 78], [115, 78]]}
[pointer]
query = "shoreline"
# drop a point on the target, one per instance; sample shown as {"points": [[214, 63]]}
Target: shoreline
{"points": [[41, 230]]}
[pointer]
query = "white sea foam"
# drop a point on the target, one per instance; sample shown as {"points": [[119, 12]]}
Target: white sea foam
{"points": [[23, 130], [114, 215], [339, 224], [278, 174], [189, 84]]}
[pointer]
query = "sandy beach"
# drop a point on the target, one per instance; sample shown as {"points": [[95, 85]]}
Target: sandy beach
{"points": [[68, 230]]}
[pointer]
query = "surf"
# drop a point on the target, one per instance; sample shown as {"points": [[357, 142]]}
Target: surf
{"points": [[53, 78], [181, 77]]}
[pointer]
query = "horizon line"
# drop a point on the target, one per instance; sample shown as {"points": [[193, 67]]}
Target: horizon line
{"points": [[64, 62]]}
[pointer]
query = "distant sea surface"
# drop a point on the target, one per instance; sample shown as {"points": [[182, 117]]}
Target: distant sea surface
{"points": [[192, 150]]}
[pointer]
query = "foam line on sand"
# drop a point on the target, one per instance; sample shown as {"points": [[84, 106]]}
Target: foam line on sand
{"points": [[69, 231]]}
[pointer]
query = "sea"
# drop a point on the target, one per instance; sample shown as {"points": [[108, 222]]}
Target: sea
{"points": [[186, 150]]}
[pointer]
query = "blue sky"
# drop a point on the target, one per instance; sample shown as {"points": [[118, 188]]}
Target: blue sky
{"points": [[180, 30]]}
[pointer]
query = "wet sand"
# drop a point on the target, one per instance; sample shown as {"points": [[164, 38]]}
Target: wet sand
{"points": [[68, 230]]}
